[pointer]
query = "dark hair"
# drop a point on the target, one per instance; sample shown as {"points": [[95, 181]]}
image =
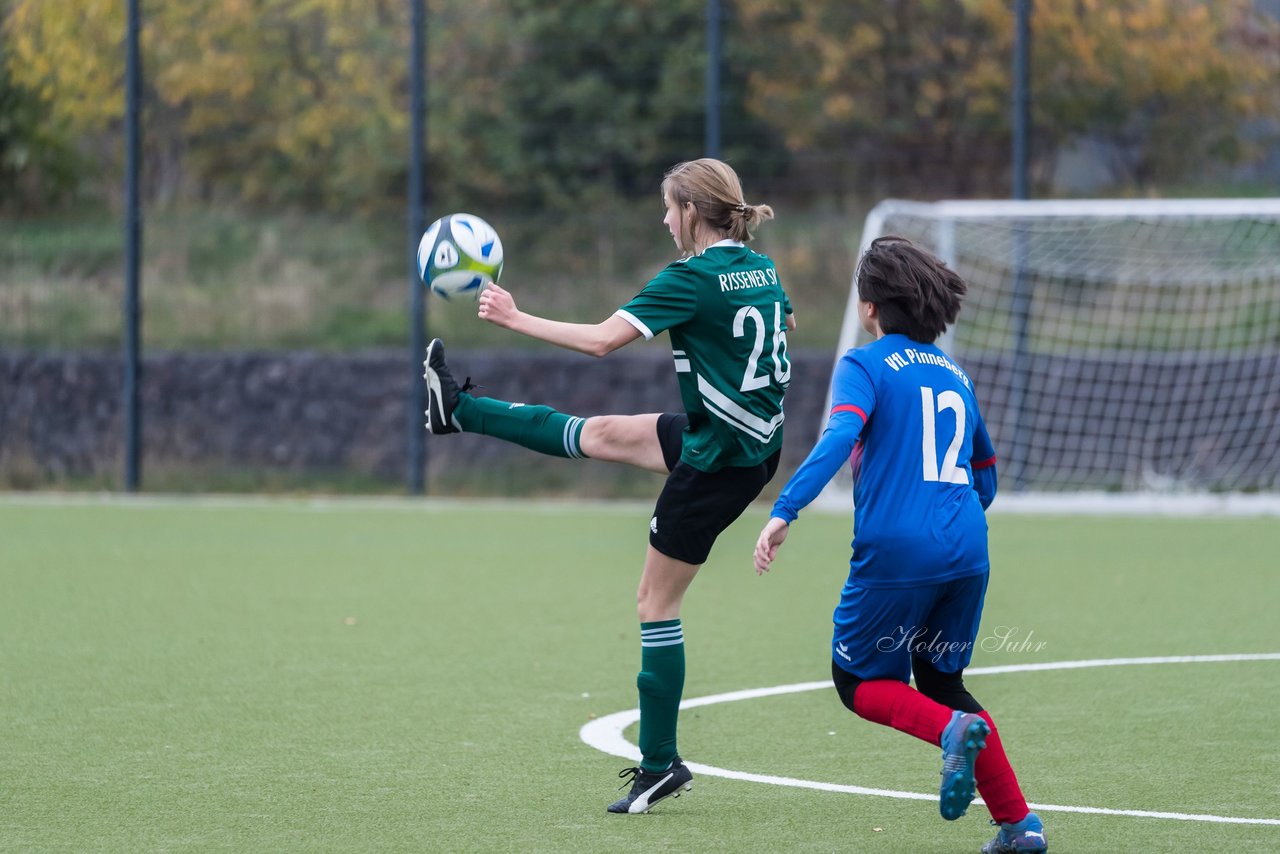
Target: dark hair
{"points": [[915, 294]]}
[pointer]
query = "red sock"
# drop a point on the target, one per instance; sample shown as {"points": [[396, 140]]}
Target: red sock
{"points": [[997, 783], [898, 705]]}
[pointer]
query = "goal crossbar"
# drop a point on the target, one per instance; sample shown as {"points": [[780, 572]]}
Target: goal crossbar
{"points": [[1082, 314]]}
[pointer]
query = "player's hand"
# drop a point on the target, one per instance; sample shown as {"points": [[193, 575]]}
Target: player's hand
{"points": [[770, 539], [497, 306]]}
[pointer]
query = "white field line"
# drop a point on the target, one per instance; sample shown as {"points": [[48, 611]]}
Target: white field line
{"points": [[605, 735]]}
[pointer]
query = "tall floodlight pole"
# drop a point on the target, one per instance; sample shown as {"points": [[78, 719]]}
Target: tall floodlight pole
{"points": [[132, 253], [715, 50], [1021, 375], [417, 304]]}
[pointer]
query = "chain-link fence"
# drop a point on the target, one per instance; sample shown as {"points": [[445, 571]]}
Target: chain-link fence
{"points": [[274, 269]]}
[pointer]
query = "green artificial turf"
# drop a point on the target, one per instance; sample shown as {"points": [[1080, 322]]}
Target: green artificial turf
{"points": [[364, 675]]}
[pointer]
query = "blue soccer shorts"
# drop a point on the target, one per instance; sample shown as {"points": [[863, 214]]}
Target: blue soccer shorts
{"points": [[878, 630]]}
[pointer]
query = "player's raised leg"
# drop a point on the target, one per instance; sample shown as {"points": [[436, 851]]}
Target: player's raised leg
{"points": [[964, 736], [443, 393], [996, 780], [961, 735], [630, 439], [872, 663]]}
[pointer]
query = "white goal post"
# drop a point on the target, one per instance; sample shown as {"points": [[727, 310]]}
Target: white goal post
{"points": [[1126, 353]]}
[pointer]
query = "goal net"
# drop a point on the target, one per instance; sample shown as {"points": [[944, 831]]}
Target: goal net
{"points": [[1118, 347]]}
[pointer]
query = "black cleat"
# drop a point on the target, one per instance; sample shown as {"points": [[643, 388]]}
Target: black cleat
{"points": [[647, 788], [442, 391]]}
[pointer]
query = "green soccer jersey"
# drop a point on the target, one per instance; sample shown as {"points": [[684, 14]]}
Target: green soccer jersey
{"points": [[726, 313]]}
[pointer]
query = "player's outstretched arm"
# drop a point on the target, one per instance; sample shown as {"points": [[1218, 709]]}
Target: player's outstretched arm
{"points": [[595, 339], [768, 543]]}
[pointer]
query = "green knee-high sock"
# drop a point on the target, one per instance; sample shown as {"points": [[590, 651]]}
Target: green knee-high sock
{"points": [[661, 684], [539, 428]]}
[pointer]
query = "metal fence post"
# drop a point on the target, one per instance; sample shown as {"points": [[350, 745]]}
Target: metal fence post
{"points": [[130, 403], [417, 304]]}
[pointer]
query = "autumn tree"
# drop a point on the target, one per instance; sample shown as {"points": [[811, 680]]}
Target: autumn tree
{"points": [[610, 101], [38, 165], [1170, 84], [917, 93], [261, 100], [535, 102], [884, 90]]}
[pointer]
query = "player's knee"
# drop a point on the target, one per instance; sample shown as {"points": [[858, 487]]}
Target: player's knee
{"points": [[945, 688], [650, 605], [645, 610], [654, 610], [598, 435], [608, 437], [846, 685]]}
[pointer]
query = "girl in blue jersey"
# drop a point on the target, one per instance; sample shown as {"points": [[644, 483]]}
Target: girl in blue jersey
{"points": [[905, 415]]}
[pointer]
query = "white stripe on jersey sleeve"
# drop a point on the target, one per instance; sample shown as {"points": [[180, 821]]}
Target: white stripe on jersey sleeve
{"points": [[636, 322]]}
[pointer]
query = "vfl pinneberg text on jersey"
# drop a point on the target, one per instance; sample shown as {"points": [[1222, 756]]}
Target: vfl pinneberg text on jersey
{"points": [[898, 361]]}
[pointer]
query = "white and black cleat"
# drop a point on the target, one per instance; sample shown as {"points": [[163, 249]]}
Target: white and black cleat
{"points": [[442, 391], [648, 787]]}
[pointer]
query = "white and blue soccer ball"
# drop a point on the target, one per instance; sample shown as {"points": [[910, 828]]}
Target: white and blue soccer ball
{"points": [[459, 254]]}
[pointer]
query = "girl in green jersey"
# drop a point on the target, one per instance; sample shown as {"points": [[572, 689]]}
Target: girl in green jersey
{"points": [[727, 316]]}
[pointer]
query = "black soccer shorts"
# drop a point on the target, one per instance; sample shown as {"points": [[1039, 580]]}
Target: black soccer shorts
{"points": [[695, 506]]}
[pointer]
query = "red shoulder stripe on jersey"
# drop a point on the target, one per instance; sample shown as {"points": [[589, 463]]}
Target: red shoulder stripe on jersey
{"points": [[984, 464], [849, 407]]}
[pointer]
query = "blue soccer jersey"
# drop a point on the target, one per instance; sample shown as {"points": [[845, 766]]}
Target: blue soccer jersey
{"points": [[905, 415]]}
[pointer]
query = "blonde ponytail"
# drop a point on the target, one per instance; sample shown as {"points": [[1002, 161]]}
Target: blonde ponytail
{"points": [[715, 192]]}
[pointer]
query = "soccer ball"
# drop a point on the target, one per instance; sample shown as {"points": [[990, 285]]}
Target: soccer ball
{"points": [[459, 254]]}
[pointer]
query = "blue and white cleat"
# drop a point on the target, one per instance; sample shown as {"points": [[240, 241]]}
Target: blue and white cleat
{"points": [[961, 741], [1025, 837]]}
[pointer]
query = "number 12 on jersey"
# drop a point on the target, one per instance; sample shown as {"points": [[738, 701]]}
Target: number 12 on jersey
{"points": [[930, 407]]}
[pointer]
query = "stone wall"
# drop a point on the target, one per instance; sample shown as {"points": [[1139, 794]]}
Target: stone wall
{"points": [[299, 412], [285, 420]]}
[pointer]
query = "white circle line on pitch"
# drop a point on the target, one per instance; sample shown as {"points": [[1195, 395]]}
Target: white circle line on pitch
{"points": [[605, 735]]}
